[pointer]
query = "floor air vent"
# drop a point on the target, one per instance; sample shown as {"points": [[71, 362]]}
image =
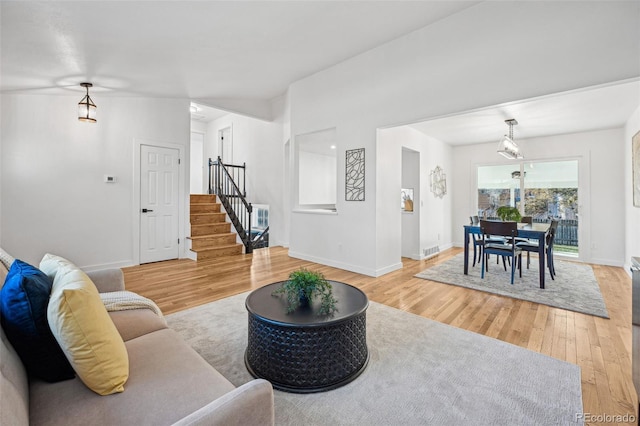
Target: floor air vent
{"points": [[431, 251]]}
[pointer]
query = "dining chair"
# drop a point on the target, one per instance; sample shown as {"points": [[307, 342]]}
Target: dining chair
{"points": [[478, 242], [506, 248], [532, 246], [525, 219]]}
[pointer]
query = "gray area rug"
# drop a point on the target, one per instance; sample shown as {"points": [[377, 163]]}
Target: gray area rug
{"points": [[420, 372], [575, 288]]}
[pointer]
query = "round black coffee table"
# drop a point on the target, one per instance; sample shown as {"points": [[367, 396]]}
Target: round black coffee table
{"points": [[304, 352]]}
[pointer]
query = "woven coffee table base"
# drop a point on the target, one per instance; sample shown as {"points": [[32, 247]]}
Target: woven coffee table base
{"points": [[305, 359]]}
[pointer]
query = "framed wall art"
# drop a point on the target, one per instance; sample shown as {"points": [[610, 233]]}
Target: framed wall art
{"points": [[354, 175], [438, 182]]}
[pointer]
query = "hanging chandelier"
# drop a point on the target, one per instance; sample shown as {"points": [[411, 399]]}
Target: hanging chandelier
{"points": [[507, 147], [86, 107]]}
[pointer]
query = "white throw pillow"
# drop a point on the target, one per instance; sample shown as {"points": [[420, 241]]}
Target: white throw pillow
{"points": [[50, 264]]}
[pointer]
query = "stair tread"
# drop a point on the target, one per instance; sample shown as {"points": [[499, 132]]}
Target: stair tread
{"points": [[224, 227], [202, 237], [212, 244], [217, 248]]}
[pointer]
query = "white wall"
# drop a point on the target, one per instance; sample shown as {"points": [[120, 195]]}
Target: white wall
{"points": [[457, 64], [197, 169], [53, 195], [600, 155], [434, 213], [632, 214], [260, 145], [201, 127], [198, 126], [283, 119], [317, 178]]}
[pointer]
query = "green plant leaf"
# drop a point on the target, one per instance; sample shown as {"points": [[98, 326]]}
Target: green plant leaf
{"points": [[508, 213], [309, 284]]}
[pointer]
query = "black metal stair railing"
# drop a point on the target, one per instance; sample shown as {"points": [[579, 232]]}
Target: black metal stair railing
{"points": [[225, 181], [261, 239]]}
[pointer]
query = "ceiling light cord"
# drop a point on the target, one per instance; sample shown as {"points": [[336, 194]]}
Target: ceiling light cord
{"points": [[507, 147], [511, 122]]}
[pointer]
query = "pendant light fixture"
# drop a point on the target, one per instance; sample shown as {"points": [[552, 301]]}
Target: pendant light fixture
{"points": [[507, 147], [86, 107]]}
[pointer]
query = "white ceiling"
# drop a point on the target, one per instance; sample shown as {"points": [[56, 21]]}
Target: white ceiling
{"points": [[205, 113], [596, 108], [238, 50], [239, 55]]}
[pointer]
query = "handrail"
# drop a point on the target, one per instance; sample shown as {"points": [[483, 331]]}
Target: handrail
{"points": [[262, 239], [232, 187], [223, 182], [238, 174]]}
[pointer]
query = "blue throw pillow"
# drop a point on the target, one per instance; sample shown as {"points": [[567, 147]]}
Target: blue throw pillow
{"points": [[23, 309]]}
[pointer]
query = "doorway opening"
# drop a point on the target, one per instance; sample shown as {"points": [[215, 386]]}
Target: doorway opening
{"points": [[409, 201], [225, 144]]}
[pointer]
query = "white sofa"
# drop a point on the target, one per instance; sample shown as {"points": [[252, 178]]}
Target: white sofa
{"points": [[168, 383]]}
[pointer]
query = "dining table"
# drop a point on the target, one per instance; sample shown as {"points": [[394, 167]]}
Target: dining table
{"points": [[531, 231]]}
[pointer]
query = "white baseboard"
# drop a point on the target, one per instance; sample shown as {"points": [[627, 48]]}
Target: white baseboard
{"points": [[126, 263], [276, 243], [103, 266], [346, 266], [383, 271], [188, 254], [606, 262]]}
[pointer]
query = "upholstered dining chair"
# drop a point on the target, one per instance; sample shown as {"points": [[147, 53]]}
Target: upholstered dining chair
{"points": [[506, 248], [532, 246]]}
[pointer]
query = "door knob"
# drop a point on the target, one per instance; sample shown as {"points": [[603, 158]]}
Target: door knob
{"points": [[146, 211]]}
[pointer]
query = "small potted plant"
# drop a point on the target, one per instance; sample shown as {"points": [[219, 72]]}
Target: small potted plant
{"points": [[508, 213], [302, 286]]}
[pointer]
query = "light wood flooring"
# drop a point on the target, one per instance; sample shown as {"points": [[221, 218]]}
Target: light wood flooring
{"points": [[601, 347]]}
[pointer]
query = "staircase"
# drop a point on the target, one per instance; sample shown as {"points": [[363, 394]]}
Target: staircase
{"points": [[211, 235]]}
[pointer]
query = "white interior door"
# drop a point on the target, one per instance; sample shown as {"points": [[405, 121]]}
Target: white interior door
{"points": [[225, 144], [159, 195]]}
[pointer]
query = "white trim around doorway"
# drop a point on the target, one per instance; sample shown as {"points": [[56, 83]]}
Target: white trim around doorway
{"points": [[183, 195]]}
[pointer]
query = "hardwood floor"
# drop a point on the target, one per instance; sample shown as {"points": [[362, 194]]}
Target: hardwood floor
{"points": [[601, 347]]}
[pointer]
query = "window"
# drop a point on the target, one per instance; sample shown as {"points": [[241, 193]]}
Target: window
{"points": [[544, 190], [260, 217], [551, 192], [317, 170], [496, 187]]}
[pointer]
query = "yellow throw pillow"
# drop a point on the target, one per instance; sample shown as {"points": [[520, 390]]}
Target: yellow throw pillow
{"points": [[89, 339]]}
